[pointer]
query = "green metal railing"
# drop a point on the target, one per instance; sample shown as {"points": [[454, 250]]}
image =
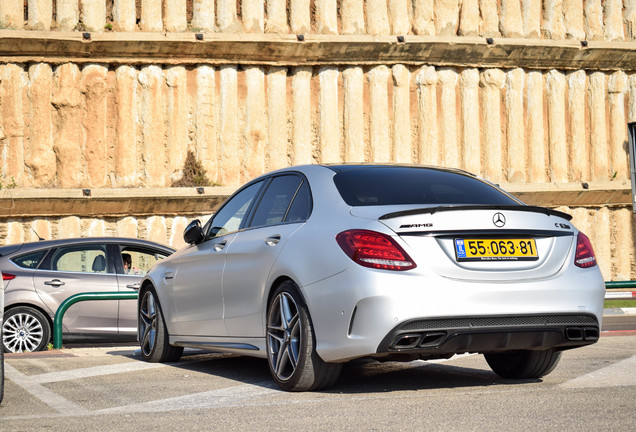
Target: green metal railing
{"points": [[59, 315], [620, 284]]}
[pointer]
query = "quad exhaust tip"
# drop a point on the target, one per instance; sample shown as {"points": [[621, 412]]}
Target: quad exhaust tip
{"points": [[582, 333]]}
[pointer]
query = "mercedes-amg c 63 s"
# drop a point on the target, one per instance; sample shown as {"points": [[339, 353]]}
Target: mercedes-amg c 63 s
{"points": [[312, 266]]}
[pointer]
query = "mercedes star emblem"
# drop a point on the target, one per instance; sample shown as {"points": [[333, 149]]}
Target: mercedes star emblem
{"points": [[499, 220]]}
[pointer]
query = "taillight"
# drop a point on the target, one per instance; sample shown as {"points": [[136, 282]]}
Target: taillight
{"points": [[585, 257], [374, 250], [7, 276]]}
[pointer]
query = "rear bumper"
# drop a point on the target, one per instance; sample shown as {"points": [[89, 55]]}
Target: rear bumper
{"points": [[441, 337]]}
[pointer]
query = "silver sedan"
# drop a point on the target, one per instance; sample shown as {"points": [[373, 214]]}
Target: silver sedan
{"points": [[312, 266]]}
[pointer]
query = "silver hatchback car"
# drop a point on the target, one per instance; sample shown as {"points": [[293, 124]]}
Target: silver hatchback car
{"points": [[312, 266], [39, 276]]}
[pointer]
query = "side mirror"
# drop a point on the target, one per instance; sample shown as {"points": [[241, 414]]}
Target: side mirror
{"points": [[193, 233]]}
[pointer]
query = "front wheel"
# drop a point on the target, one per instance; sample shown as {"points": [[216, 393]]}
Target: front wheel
{"points": [[152, 332], [25, 329], [291, 344], [523, 364]]}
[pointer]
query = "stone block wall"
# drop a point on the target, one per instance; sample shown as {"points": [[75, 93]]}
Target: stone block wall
{"points": [[528, 120]]}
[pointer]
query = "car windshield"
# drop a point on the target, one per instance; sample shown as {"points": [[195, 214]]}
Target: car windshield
{"points": [[392, 185]]}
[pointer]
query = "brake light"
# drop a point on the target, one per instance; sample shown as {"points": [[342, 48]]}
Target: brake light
{"points": [[374, 250], [7, 276], [585, 257]]}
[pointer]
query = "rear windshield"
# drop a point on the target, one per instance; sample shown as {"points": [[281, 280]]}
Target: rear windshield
{"points": [[372, 186]]}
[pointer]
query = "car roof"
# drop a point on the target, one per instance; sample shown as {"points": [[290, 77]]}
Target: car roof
{"points": [[364, 166], [25, 247]]}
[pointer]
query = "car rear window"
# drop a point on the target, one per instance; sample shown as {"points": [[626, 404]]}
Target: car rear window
{"points": [[372, 186], [31, 260]]}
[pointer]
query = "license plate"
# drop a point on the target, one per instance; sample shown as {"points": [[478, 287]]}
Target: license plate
{"points": [[519, 249]]}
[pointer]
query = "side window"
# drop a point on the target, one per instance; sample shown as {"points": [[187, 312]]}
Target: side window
{"points": [[301, 207], [85, 259], [231, 215], [31, 260], [276, 200], [137, 261]]}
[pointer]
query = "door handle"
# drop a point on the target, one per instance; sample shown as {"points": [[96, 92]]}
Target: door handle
{"points": [[220, 246], [54, 283], [134, 286], [168, 275], [273, 240]]}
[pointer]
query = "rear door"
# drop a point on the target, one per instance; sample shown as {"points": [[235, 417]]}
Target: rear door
{"points": [[80, 268]]}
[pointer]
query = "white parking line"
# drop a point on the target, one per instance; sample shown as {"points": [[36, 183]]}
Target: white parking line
{"points": [[94, 371], [617, 374]]}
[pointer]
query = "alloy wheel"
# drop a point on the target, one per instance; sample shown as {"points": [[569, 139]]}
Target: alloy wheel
{"points": [[148, 323], [22, 332], [284, 335]]}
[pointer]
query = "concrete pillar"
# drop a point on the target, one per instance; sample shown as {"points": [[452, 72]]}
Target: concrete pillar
{"points": [[206, 121], [277, 118], [629, 15], [301, 116], [353, 116], [330, 129], [619, 157], [15, 233], [300, 16], [614, 20], [573, 19], [600, 236], [68, 115], [93, 85], [446, 17], [402, 148], [229, 149], [125, 163], [156, 229], [510, 21], [631, 105], [424, 17], [151, 126], [255, 132], [399, 17], [577, 125], [490, 18], [516, 154], [379, 125], [12, 14], [352, 16], [470, 109], [492, 81], [13, 82], [555, 94], [377, 17], [177, 228], [175, 15], [66, 14], [552, 25], [40, 14], [39, 157], [469, 18], [428, 145], [203, 15], [276, 17], [176, 124], [94, 14], [124, 15], [535, 128], [449, 143], [151, 16], [69, 227], [253, 16], [40, 226], [128, 227], [594, 19], [622, 245], [598, 124], [531, 16], [326, 16]]}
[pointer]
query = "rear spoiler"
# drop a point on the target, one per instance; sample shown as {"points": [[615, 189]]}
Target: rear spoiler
{"points": [[459, 207]]}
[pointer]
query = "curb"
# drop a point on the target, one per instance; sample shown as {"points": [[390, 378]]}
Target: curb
{"points": [[619, 311]]}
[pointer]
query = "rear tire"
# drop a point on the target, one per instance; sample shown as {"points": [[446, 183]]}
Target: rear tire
{"points": [[523, 364], [152, 333], [291, 344], [25, 329]]}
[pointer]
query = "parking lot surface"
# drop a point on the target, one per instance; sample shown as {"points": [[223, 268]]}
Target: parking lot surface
{"points": [[110, 388]]}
